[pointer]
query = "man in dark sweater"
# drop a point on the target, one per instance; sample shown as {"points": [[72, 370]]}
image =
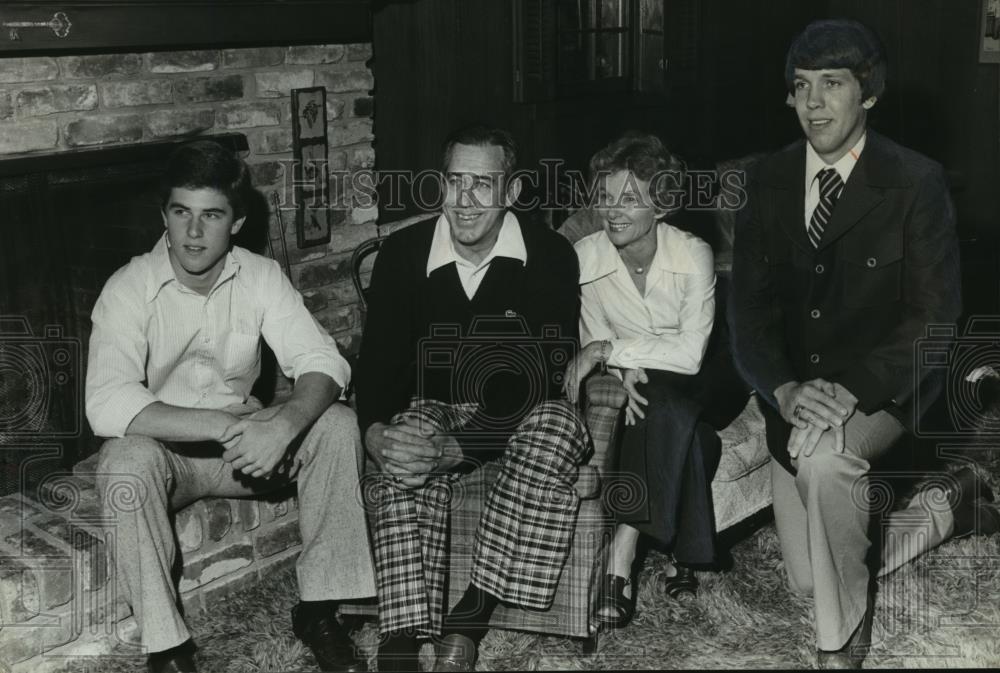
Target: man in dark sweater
{"points": [[472, 319]]}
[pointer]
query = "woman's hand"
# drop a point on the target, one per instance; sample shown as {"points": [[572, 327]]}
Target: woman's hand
{"points": [[635, 401], [578, 369]]}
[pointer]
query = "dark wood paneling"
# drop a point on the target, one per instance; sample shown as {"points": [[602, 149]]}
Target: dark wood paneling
{"points": [[438, 65], [738, 106], [942, 102]]}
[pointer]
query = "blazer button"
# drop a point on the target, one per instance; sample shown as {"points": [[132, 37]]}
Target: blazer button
{"points": [[820, 268], [814, 358], [871, 262], [814, 313]]}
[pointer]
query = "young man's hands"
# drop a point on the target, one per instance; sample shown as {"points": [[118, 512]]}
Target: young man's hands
{"points": [[255, 445], [813, 408]]}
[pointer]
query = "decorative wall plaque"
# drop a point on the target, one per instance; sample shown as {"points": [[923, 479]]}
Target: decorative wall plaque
{"points": [[311, 176]]}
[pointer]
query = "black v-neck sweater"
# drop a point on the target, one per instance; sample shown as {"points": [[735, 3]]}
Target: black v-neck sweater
{"points": [[506, 348]]}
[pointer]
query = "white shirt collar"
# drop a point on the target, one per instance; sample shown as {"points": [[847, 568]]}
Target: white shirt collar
{"points": [[599, 257], [844, 166], [163, 272], [510, 243]]}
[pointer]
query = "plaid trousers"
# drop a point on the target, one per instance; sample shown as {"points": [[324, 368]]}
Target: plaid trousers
{"points": [[524, 533]]}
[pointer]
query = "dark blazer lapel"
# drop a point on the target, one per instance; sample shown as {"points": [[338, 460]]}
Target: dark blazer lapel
{"points": [[786, 181], [863, 190]]}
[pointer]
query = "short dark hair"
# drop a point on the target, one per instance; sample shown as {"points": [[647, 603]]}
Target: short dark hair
{"points": [[201, 164], [480, 135], [839, 43], [649, 160]]}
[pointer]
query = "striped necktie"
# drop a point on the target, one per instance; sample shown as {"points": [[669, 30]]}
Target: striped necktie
{"points": [[830, 187]]}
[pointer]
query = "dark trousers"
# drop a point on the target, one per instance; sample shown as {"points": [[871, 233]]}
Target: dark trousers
{"points": [[672, 456]]}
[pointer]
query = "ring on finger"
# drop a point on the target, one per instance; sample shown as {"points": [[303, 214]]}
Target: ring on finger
{"points": [[798, 411]]}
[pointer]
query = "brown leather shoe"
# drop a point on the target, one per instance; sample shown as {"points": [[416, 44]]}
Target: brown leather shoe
{"points": [[330, 644], [853, 653], [455, 652], [178, 659]]}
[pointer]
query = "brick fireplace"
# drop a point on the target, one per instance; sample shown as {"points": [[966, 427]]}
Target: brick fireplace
{"points": [[67, 221]]}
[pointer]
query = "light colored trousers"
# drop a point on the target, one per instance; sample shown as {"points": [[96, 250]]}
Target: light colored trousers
{"points": [[822, 515], [335, 562]]}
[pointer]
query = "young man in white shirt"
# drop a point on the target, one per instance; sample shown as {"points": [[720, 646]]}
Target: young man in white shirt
{"points": [[174, 352]]}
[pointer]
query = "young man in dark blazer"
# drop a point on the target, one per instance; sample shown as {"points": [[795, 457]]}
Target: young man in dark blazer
{"points": [[844, 255], [472, 318]]}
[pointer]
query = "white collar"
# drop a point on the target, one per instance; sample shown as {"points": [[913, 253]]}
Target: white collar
{"points": [[844, 166], [509, 243], [599, 257], [162, 272]]}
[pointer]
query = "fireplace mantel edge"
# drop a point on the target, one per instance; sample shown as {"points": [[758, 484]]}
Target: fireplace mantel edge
{"points": [[104, 26]]}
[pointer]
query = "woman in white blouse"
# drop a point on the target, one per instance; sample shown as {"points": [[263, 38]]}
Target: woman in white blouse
{"points": [[648, 294]]}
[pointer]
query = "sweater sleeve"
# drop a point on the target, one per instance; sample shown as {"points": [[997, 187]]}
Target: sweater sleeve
{"points": [[563, 305], [386, 365]]}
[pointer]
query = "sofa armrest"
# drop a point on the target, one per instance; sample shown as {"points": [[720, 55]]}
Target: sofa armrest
{"points": [[604, 402]]}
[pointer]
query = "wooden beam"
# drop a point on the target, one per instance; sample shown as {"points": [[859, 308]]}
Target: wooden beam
{"points": [[123, 25]]}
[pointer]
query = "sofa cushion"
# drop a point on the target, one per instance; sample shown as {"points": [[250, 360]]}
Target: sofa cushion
{"points": [[744, 444], [588, 482]]}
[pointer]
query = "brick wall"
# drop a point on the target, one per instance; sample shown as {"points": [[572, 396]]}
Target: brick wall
{"points": [[57, 600], [54, 104]]}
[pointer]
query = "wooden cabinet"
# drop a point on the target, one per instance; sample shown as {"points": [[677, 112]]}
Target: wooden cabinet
{"points": [[53, 26]]}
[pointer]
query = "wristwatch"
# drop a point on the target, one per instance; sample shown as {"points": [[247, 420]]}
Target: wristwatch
{"points": [[604, 354]]}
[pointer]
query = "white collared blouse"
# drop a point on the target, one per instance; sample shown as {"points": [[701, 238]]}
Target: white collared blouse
{"points": [[667, 327]]}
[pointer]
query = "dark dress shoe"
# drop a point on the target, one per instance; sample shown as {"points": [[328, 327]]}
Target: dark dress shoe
{"points": [[455, 652], [398, 655], [175, 660], [985, 518], [395, 663], [330, 644], [970, 498], [853, 654], [683, 585]]}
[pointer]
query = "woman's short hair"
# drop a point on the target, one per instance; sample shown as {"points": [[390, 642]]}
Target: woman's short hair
{"points": [[645, 156], [839, 43], [202, 164]]}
